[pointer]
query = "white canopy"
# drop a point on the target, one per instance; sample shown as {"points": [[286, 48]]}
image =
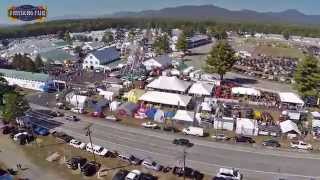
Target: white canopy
{"points": [[289, 97], [169, 83], [201, 89], [182, 115], [315, 115], [247, 127], [76, 100], [166, 98], [288, 125], [245, 91]]}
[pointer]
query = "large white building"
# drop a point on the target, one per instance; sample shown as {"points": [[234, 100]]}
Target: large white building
{"points": [[100, 58], [27, 80]]}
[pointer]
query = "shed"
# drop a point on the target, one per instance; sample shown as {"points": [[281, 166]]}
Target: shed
{"points": [[162, 61]]}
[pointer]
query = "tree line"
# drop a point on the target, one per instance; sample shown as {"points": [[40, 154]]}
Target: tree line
{"points": [[188, 26]]}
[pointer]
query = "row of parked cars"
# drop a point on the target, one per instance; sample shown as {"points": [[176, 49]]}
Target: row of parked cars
{"points": [[147, 163], [267, 143]]}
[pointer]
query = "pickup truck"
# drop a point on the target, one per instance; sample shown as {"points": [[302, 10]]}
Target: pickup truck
{"points": [[300, 145]]}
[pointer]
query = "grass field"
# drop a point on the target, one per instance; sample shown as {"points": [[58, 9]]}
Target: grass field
{"points": [[279, 51]]}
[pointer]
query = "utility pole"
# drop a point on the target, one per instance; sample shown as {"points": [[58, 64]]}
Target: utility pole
{"points": [[184, 163], [88, 133]]}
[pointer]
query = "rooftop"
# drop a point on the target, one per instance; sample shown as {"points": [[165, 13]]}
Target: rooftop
{"points": [[25, 75]]}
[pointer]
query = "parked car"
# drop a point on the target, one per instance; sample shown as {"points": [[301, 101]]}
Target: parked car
{"points": [[150, 125], [221, 137], [41, 131], [120, 175], [72, 118], [97, 114], [99, 150], [77, 144], [147, 163], [7, 129], [147, 177], [271, 143], [129, 158], [182, 142], [188, 172], [77, 110], [230, 174], [195, 131], [62, 136], [111, 118], [300, 145], [90, 168], [133, 175], [244, 139], [16, 136], [75, 162]]}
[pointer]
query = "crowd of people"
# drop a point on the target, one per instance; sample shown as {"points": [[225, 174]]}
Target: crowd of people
{"points": [[273, 68]]}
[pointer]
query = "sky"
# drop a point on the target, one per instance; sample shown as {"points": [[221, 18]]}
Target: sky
{"points": [[57, 8]]}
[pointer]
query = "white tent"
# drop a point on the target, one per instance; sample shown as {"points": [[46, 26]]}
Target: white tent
{"points": [[245, 91], [288, 125], [226, 123], [292, 98], [158, 62], [114, 105], [159, 116], [182, 115], [76, 100], [204, 89], [166, 98], [169, 83], [247, 127]]}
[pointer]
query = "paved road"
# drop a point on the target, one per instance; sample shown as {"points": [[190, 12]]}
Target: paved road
{"points": [[254, 163]]}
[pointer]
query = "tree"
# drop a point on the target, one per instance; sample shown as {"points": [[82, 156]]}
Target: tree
{"points": [[307, 77], [107, 37], [286, 35], [220, 59], [182, 43], [161, 44], [38, 62], [14, 106]]}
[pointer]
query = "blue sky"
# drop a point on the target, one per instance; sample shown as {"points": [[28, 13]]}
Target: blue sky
{"points": [[97, 7]]}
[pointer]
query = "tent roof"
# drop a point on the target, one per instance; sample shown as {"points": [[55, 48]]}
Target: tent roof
{"points": [[245, 91], [201, 89], [169, 83], [315, 114], [182, 115], [288, 125], [166, 98], [289, 97]]}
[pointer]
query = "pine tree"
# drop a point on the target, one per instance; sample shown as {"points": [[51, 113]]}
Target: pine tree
{"points": [[220, 59], [182, 43], [307, 77]]}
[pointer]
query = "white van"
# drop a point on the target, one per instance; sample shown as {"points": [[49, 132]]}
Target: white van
{"points": [[195, 131], [99, 150]]}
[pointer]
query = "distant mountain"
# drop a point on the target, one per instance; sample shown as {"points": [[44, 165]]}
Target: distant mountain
{"points": [[211, 12]]}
